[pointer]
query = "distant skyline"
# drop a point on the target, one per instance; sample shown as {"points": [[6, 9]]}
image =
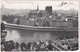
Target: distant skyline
{"points": [[56, 5]]}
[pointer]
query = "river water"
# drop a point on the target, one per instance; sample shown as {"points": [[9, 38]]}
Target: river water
{"points": [[23, 35]]}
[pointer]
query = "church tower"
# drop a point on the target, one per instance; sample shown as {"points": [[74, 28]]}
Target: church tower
{"points": [[37, 7]]}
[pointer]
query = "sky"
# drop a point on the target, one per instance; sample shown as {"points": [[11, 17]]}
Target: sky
{"points": [[41, 5]]}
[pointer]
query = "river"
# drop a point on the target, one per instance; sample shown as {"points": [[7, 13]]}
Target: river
{"points": [[23, 35]]}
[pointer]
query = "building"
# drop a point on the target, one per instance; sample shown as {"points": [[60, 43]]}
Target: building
{"points": [[37, 14], [40, 17], [49, 9]]}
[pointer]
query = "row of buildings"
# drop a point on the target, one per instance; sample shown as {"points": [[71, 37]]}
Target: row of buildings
{"points": [[48, 18]]}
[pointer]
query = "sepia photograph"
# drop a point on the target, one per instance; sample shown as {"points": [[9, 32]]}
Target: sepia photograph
{"points": [[39, 25]]}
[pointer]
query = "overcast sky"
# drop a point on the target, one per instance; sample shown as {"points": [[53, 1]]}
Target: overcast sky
{"points": [[41, 4]]}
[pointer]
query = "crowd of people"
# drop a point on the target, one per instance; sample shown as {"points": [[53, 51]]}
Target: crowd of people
{"points": [[38, 46], [30, 46]]}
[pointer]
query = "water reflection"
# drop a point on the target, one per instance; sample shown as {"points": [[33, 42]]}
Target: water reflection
{"points": [[12, 35], [20, 35], [23, 35]]}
